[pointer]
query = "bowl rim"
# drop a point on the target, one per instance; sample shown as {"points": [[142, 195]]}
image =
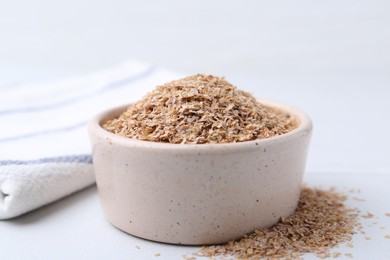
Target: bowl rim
{"points": [[305, 126]]}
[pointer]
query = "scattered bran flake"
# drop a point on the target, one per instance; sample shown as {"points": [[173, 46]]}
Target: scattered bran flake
{"points": [[185, 257], [367, 238], [387, 236], [358, 199], [200, 109], [320, 222], [157, 254], [368, 215], [349, 244], [387, 214], [336, 254], [355, 190], [324, 255], [348, 255]]}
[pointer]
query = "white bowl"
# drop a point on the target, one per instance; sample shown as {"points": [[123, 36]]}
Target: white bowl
{"points": [[198, 193]]}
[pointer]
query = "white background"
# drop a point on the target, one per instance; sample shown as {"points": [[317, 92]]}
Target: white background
{"points": [[329, 58]]}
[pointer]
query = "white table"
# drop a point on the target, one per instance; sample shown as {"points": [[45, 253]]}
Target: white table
{"points": [[331, 59], [74, 227], [349, 150]]}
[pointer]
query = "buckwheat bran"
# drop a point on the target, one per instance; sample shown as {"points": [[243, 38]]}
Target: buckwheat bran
{"points": [[200, 109], [320, 222]]}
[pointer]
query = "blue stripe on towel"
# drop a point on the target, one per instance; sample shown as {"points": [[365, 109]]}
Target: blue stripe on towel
{"points": [[50, 131], [65, 102], [84, 158]]}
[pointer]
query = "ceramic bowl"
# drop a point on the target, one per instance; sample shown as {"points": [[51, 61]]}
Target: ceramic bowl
{"points": [[198, 194]]}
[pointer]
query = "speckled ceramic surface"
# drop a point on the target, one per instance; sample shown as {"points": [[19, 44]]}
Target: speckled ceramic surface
{"points": [[198, 194]]}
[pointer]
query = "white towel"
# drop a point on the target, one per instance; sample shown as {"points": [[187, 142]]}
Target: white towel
{"points": [[44, 146]]}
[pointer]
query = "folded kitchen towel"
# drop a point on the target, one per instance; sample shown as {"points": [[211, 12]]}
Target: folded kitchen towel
{"points": [[44, 146]]}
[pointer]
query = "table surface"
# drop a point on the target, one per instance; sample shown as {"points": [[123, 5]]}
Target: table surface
{"points": [[75, 228], [330, 59], [349, 151]]}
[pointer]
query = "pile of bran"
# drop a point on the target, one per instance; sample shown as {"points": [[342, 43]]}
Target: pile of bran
{"points": [[200, 109], [320, 222]]}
